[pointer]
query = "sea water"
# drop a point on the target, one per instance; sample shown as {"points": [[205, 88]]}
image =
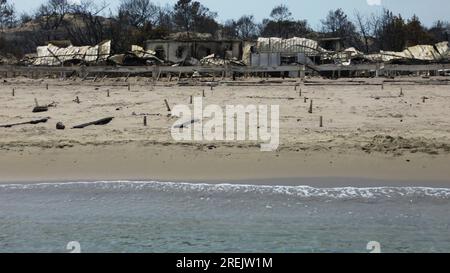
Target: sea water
{"points": [[125, 216]]}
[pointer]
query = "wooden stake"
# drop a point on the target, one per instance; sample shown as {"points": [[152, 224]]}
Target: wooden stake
{"points": [[167, 105], [129, 87], [46, 86], [305, 99], [300, 93], [13, 92], [190, 101], [107, 93], [321, 121], [310, 107], [158, 76], [401, 92], [145, 120], [203, 93]]}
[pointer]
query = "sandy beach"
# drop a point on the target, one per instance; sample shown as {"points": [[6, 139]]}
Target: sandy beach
{"points": [[369, 131]]}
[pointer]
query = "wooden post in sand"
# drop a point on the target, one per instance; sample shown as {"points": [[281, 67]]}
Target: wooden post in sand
{"points": [[321, 122], [46, 86], [167, 105], [401, 92], [203, 93], [107, 93], [159, 75], [13, 92], [129, 87], [190, 101], [145, 120], [300, 93], [310, 107], [305, 99], [212, 87]]}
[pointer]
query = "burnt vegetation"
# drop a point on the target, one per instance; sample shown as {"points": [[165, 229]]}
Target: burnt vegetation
{"points": [[135, 21]]}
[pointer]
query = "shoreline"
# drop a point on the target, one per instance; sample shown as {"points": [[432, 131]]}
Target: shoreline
{"points": [[131, 162]]}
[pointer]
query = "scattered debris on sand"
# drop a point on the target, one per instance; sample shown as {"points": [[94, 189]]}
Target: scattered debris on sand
{"points": [[102, 121], [186, 124], [60, 126], [43, 120], [399, 145]]}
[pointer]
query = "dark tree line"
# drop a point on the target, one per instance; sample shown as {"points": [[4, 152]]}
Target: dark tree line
{"points": [[7, 15], [135, 21]]}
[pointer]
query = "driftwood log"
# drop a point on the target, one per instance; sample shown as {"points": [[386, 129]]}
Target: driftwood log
{"points": [[43, 120], [42, 108], [102, 121], [39, 109]]}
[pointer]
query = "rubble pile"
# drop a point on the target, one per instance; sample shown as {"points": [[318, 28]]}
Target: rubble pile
{"points": [[52, 55], [137, 56], [213, 60], [8, 60], [439, 52]]}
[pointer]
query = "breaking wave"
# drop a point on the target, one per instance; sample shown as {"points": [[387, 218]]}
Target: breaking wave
{"points": [[300, 192]]}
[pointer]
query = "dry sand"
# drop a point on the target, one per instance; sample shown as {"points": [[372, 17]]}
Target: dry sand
{"points": [[368, 132]]}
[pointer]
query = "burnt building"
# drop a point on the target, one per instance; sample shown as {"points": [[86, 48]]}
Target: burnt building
{"points": [[178, 50], [277, 51]]}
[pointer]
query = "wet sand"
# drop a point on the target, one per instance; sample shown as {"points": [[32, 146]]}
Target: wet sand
{"points": [[222, 165]]}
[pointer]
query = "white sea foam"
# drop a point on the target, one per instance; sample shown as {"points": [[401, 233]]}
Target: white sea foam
{"points": [[342, 193]]}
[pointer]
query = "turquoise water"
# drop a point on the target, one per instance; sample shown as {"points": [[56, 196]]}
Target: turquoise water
{"points": [[183, 217]]}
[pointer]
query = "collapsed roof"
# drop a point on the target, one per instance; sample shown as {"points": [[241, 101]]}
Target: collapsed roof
{"points": [[425, 53], [439, 52], [51, 55], [292, 45], [431, 53]]}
